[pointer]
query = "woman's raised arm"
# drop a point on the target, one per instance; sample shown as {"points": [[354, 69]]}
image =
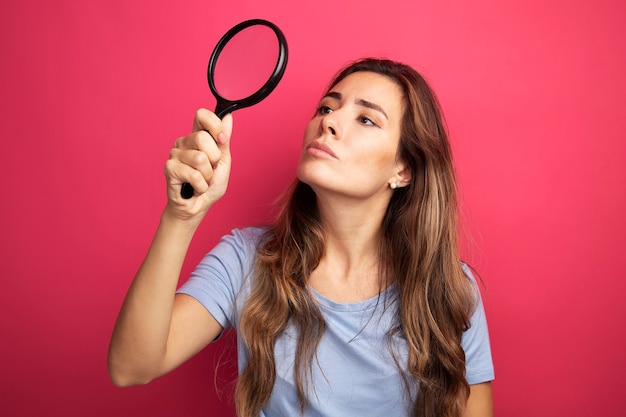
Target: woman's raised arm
{"points": [[157, 330]]}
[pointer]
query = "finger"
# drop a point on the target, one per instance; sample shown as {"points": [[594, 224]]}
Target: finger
{"points": [[200, 141], [223, 138], [220, 130], [207, 120], [198, 160], [178, 173]]}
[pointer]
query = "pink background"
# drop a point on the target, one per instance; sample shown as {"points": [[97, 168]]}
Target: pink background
{"points": [[94, 93]]}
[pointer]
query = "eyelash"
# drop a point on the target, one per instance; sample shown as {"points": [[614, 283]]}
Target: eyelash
{"points": [[324, 109], [367, 121]]}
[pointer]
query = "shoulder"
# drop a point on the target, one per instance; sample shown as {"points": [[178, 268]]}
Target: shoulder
{"points": [[232, 258], [246, 235], [475, 282], [218, 279], [475, 340], [242, 242], [469, 271]]}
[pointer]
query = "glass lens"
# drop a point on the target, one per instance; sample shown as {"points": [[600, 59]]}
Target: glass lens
{"points": [[246, 62]]}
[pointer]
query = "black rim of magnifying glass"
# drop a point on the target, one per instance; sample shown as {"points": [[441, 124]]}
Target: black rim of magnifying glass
{"points": [[225, 106]]}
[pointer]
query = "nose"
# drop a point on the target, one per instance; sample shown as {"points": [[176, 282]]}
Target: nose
{"points": [[329, 124]]}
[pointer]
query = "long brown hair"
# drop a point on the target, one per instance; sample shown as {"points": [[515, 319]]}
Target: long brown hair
{"points": [[419, 251]]}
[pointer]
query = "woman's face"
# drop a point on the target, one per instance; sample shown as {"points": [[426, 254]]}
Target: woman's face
{"points": [[350, 146]]}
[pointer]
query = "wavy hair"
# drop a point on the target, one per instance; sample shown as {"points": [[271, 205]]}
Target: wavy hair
{"points": [[419, 251]]}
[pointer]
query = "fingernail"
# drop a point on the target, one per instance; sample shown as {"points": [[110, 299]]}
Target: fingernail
{"points": [[221, 138]]}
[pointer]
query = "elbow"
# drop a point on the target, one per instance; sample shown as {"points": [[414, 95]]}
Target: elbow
{"points": [[125, 379], [123, 376], [120, 380]]}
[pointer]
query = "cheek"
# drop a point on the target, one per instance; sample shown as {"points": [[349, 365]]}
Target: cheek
{"points": [[311, 130], [380, 157]]}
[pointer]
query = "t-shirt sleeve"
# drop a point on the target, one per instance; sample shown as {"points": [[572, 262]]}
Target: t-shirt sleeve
{"points": [[217, 280], [475, 342]]}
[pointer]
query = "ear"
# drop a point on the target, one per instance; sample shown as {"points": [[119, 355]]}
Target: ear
{"points": [[402, 178]]}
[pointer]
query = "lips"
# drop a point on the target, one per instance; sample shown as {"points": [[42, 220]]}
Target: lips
{"points": [[320, 149]]}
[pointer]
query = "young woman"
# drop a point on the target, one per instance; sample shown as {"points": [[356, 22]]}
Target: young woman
{"points": [[355, 301]]}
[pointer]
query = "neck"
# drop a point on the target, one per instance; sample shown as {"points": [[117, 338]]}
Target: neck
{"points": [[352, 227], [349, 268]]}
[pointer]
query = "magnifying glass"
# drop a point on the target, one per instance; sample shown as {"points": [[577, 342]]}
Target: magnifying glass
{"points": [[245, 67]]}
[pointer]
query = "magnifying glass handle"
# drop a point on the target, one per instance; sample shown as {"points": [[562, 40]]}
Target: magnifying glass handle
{"points": [[225, 106], [186, 191], [222, 108]]}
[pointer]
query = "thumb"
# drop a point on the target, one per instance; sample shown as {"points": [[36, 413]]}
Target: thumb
{"points": [[223, 139]]}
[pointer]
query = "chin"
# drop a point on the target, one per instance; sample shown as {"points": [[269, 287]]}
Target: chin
{"points": [[317, 174], [304, 171]]}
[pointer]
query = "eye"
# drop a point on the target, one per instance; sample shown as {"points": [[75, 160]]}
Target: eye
{"points": [[366, 121], [324, 109]]}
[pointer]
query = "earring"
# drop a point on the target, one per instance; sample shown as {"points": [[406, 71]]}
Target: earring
{"points": [[394, 185]]}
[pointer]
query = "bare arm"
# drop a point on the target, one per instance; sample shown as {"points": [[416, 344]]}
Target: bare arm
{"points": [[480, 401], [157, 330]]}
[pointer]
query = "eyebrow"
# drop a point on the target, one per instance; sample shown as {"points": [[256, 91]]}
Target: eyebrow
{"points": [[360, 102]]}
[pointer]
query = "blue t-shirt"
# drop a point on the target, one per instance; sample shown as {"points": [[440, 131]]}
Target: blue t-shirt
{"points": [[354, 371]]}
